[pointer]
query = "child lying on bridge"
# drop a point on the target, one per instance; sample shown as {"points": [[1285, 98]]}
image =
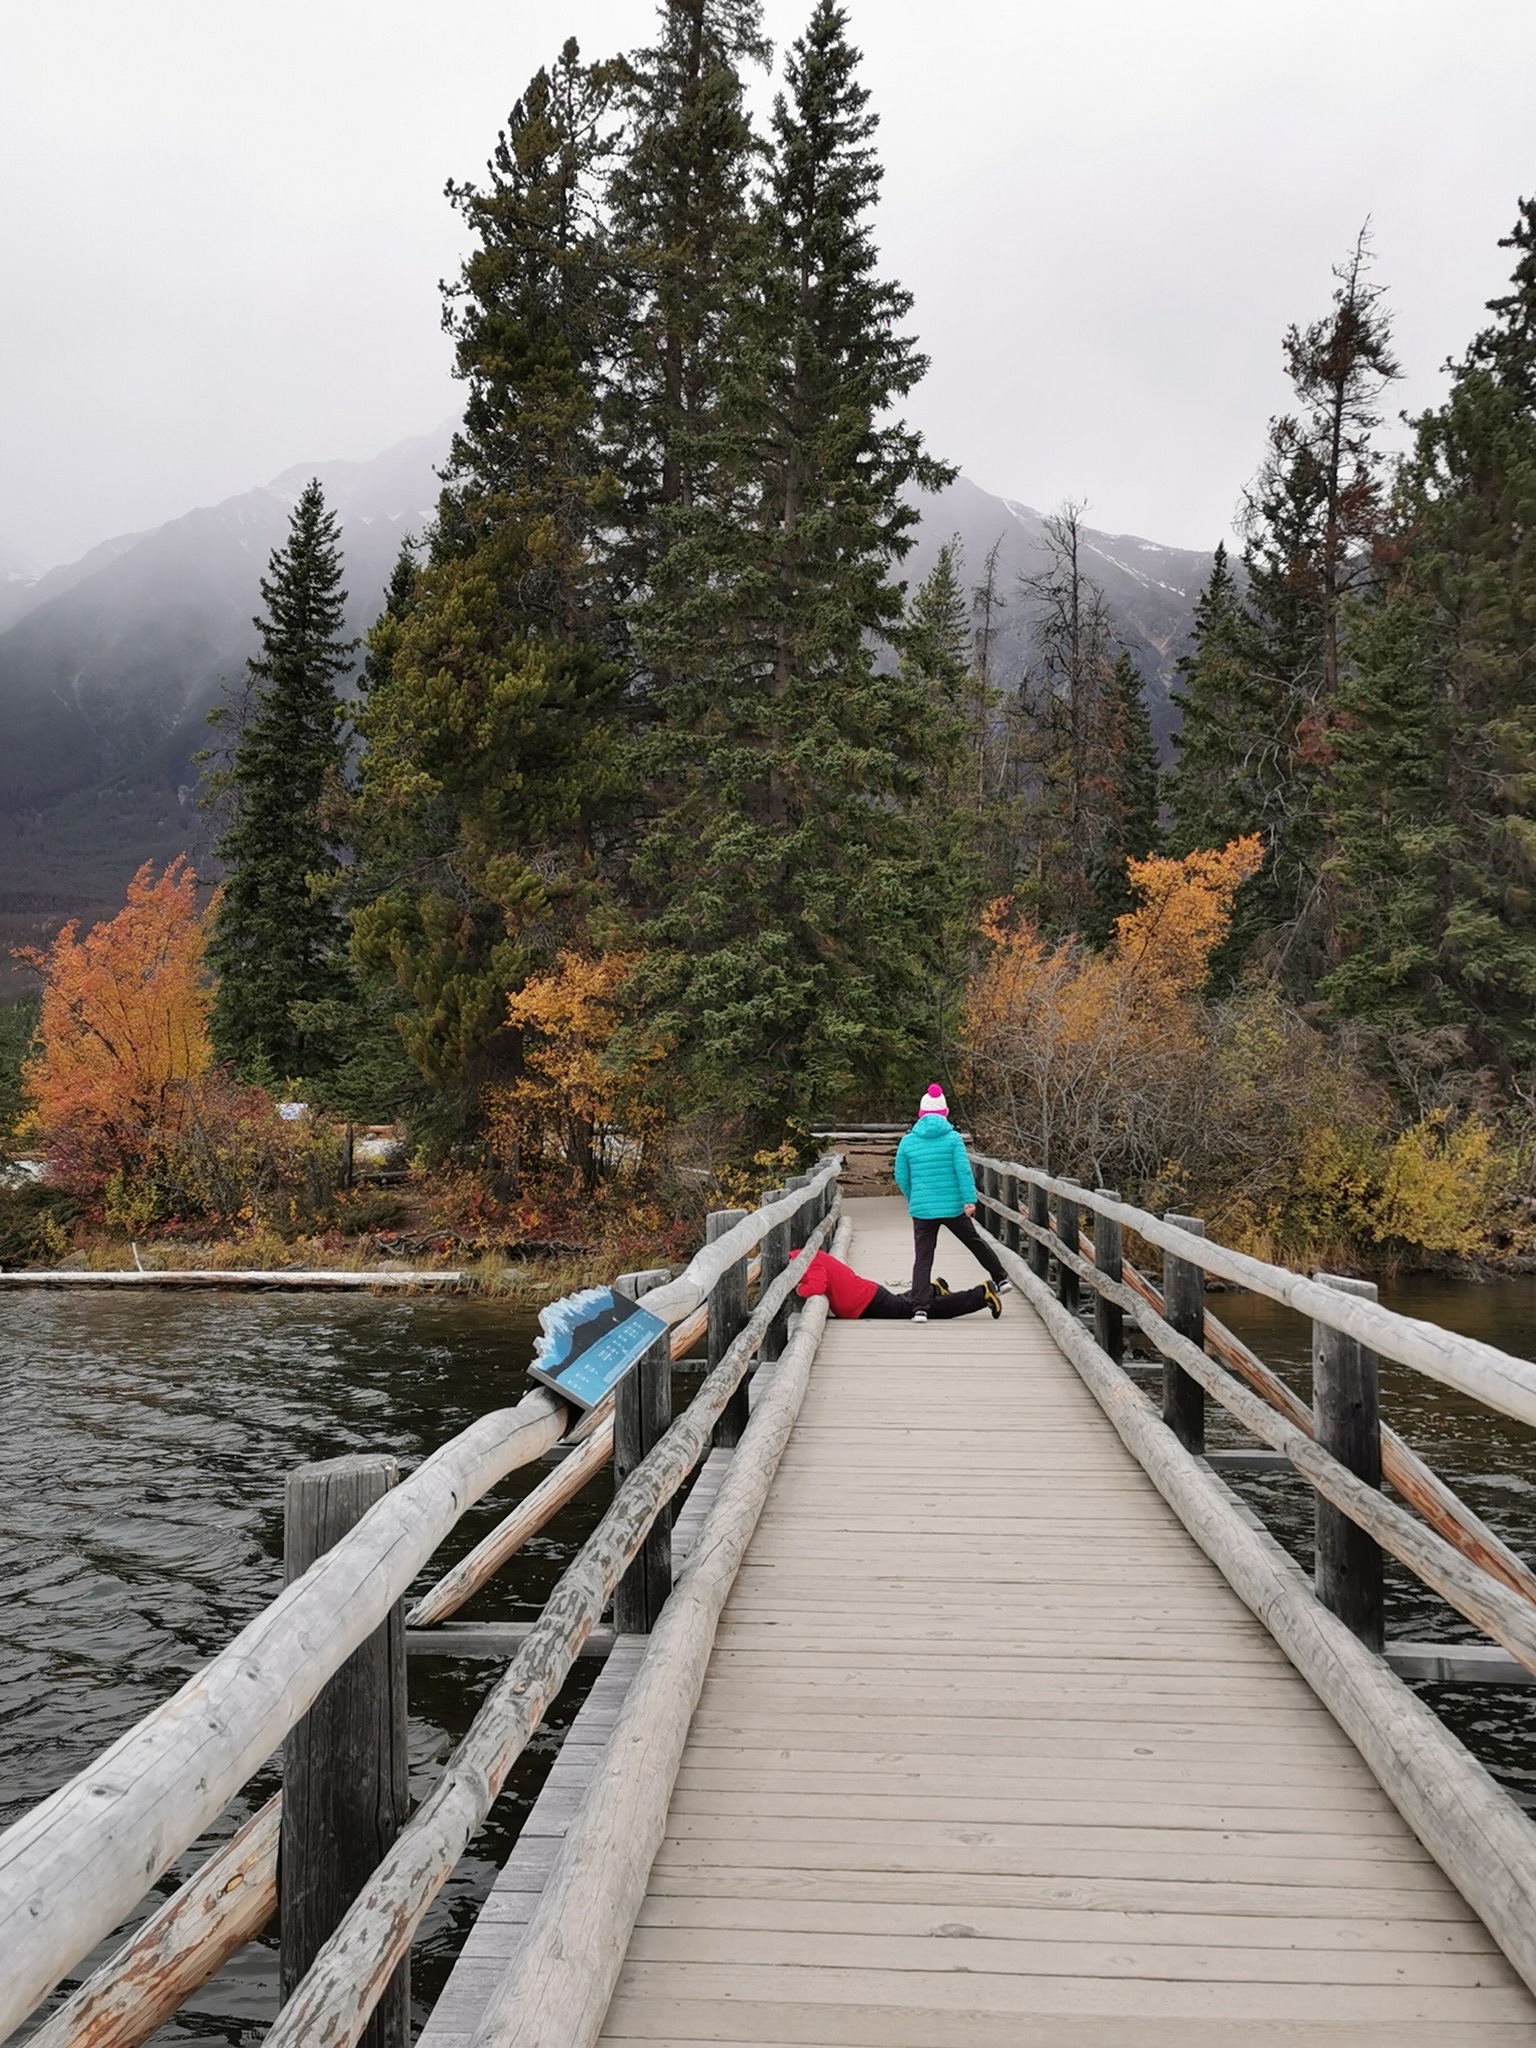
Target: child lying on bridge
{"points": [[851, 1296]]}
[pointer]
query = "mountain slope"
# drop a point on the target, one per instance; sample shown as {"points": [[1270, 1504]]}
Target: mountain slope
{"points": [[1149, 590], [109, 666]]}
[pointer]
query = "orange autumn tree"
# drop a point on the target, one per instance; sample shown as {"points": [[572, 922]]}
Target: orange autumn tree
{"points": [[1089, 1063], [123, 1032], [572, 1090]]}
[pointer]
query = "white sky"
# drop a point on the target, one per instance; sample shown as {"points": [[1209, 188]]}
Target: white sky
{"points": [[221, 226]]}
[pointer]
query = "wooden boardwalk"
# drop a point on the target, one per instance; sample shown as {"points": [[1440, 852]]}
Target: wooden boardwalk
{"points": [[989, 1754]]}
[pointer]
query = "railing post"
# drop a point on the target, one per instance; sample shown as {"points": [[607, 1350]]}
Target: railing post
{"points": [[727, 1315], [1040, 1214], [1108, 1320], [773, 1255], [642, 1415], [1008, 1230], [1067, 1283], [1346, 1420], [1184, 1307], [345, 1795]]}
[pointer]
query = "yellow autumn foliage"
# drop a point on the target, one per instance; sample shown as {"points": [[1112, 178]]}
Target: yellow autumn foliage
{"points": [[572, 1095], [1113, 1068]]}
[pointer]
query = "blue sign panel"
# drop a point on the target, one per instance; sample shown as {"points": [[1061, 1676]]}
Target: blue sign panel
{"points": [[589, 1341]]}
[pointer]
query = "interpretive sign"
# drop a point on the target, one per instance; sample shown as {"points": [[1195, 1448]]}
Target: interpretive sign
{"points": [[589, 1341]]}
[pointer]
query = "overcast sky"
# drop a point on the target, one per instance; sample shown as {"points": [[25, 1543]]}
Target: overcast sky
{"points": [[222, 226]]}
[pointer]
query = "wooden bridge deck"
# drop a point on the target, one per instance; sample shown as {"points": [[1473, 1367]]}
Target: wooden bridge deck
{"points": [[989, 1754]]}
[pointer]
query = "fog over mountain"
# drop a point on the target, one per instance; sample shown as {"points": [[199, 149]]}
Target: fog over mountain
{"points": [[109, 666]]}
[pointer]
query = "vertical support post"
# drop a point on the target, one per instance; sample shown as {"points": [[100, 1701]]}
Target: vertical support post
{"points": [[345, 1796], [1346, 1420], [1039, 1213], [1184, 1307], [1108, 1320], [642, 1415], [727, 1315], [1067, 1283], [773, 1254], [1009, 1231], [344, 1176]]}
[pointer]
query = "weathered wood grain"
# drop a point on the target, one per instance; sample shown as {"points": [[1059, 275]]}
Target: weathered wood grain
{"points": [[1479, 1837], [1505, 1383], [335, 2000], [345, 1762], [185, 1942], [558, 1990], [530, 1515], [72, 1867]]}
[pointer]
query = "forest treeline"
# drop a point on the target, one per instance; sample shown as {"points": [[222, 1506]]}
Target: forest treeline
{"points": [[657, 817]]}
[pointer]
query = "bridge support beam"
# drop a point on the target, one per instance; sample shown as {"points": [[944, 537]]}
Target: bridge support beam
{"points": [[1040, 1214], [1108, 1321], [345, 1795], [727, 1315], [773, 1253], [1068, 1216], [1008, 1230], [1184, 1307], [1346, 1420], [642, 1415]]}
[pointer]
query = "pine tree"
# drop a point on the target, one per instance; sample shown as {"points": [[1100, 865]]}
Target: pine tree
{"points": [[1070, 712], [399, 596], [679, 203], [276, 938], [1128, 799], [1234, 768], [1262, 679], [491, 721], [1436, 857], [788, 938]]}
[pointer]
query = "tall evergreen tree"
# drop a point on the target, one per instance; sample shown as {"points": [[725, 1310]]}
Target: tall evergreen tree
{"points": [[788, 933], [276, 939], [1261, 684], [491, 723], [1128, 796], [1070, 713], [679, 200], [1436, 845]]}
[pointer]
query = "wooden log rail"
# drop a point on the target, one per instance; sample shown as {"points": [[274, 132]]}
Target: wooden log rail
{"points": [[1465, 1363], [1483, 1841], [1401, 1465], [1459, 1557], [73, 1866]]}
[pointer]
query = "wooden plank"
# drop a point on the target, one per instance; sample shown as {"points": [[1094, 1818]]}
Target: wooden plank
{"points": [[989, 1754], [498, 1932]]}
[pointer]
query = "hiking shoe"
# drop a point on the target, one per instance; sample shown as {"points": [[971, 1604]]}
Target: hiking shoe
{"points": [[919, 1315], [941, 1287], [991, 1297]]}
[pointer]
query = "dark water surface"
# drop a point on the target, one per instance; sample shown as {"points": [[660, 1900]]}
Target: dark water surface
{"points": [[144, 1442], [1489, 1459], [143, 1446]]}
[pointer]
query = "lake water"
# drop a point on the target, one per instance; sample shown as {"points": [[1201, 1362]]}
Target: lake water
{"points": [[144, 1442]]}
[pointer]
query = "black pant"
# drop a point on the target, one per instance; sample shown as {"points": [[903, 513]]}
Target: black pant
{"points": [[940, 1306], [925, 1237]]}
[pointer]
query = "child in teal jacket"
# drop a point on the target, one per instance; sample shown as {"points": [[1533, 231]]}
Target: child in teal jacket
{"points": [[934, 1174]]}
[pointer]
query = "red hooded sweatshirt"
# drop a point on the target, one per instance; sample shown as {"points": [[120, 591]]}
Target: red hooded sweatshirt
{"points": [[847, 1294]]}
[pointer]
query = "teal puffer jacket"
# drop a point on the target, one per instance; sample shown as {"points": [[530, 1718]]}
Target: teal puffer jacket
{"points": [[932, 1170]]}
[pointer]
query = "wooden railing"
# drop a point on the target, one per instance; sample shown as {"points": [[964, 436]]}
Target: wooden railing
{"points": [[357, 1537], [1332, 1630]]}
